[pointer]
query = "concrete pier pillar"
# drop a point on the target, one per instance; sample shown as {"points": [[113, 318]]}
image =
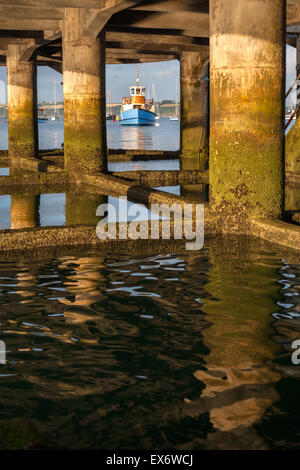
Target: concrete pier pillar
{"points": [[22, 103], [247, 65], [194, 109], [84, 97]]}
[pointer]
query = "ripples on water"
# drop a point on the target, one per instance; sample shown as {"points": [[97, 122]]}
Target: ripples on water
{"points": [[171, 350]]}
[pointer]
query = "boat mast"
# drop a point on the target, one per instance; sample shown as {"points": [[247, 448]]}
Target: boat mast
{"points": [[176, 108], [54, 84], [137, 75]]}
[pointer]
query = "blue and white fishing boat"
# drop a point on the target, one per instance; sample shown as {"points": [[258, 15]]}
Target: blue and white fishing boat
{"points": [[137, 110]]}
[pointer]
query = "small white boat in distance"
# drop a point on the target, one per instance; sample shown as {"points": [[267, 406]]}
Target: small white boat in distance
{"points": [[156, 105], [175, 117], [55, 116]]}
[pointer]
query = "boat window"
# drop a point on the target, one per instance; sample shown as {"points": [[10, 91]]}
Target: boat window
{"points": [[138, 91], [143, 91], [132, 91]]}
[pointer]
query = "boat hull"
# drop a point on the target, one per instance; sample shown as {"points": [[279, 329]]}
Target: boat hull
{"points": [[137, 117]]}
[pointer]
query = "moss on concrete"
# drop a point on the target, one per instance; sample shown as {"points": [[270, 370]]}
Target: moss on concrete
{"points": [[85, 149], [246, 176]]}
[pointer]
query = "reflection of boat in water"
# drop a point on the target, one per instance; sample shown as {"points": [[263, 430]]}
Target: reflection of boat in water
{"points": [[42, 115], [56, 117], [137, 110]]}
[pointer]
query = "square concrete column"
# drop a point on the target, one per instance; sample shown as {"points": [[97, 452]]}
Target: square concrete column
{"points": [[22, 103], [194, 109], [247, 85], [84, 97]]}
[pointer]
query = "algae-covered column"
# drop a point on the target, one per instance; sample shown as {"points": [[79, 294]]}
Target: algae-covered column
{"points": [[246, 110], [194, 109], [22, 103], [84, 96]]}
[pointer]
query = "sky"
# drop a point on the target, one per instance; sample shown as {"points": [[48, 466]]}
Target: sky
{"points": [[120, 77]]}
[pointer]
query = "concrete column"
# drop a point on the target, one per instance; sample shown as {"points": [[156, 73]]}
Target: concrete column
{"points": [[194, 109], [247, 66], [84, 97], [22, 103]]}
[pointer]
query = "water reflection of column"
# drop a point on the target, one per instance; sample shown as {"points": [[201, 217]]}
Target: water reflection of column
{"points": [[26, 286], [24, 212], [85, 285], [81, 209], [198, 192], [238, 384], [292, 198]]}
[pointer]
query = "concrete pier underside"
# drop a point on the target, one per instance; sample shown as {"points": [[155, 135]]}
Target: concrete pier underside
{"points": [[246, 146]]}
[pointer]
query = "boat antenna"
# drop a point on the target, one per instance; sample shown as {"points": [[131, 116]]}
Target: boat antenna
{"points": [[137, 75]]}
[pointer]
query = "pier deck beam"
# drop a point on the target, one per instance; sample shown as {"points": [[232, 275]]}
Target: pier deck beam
{"points": [[22, 103], [247, 55], [84, 97], [194, 110]]}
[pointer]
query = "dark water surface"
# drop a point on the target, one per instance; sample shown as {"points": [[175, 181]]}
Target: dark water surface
{"points": [[184, 350]]}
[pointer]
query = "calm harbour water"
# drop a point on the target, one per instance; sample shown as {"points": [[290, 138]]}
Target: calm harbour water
{"points": [[160, 349], [165, 135]]}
